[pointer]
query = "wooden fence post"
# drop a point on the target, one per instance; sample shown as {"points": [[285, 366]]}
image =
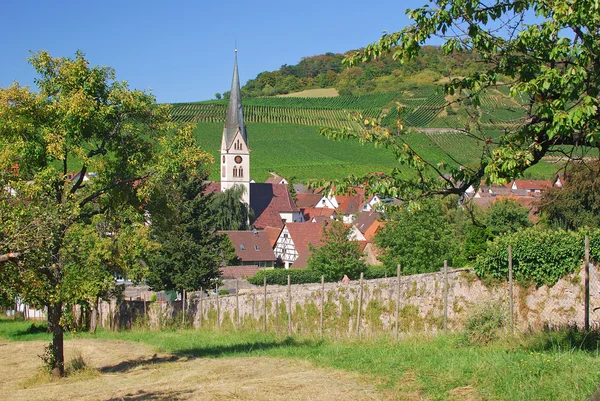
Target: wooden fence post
{"points": [[511, 301], [445, 296], [218, 307], [201, 309], [586, 284], [237, 304], [289, 305], [397, 302], [360, 297], [183, 307], [322, 304], [265, 306]]}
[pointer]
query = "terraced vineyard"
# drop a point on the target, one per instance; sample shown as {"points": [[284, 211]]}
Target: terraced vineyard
{"points": [[283, 131]]}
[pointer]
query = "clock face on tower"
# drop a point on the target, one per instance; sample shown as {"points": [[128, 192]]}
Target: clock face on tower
{"points": [[238, 159]]}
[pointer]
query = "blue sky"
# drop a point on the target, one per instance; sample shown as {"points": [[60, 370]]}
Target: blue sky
{"points": [[183, 50]]}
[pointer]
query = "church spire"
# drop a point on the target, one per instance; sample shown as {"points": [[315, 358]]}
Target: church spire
{"points": [[235, 116]]}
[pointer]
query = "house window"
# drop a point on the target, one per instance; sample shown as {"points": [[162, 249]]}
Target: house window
{"points": [[223, 158], [235, 171], [285, 235], [262, 264], [241, 172]]}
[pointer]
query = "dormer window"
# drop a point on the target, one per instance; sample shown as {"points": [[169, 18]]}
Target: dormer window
{"points": [[256, 248], [242, 247]]}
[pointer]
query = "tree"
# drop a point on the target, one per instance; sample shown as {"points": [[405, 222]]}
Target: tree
{"points": [[506, 216], [577, 204], [338, 256], [73, 232], [419, 238], [229, 211], [218, 96], [550, 64], [191, 249]]}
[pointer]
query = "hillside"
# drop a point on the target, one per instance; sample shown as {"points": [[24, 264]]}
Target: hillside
{"points": [[283, 130]]}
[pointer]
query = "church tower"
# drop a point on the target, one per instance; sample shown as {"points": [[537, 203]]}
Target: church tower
{"points": [[235, 154]]}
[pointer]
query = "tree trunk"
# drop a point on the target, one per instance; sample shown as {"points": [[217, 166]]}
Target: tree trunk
{"points": [[54, 315], [94, 317]]}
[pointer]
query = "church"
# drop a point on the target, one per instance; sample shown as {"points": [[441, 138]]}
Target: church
{"points": [[271, 203]]}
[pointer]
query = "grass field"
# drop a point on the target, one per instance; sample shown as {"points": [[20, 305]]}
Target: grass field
{"points": [[543, 366]]}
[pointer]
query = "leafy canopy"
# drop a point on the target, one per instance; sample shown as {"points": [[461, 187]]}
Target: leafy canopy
{"points": [[73, 232], [550, 64]]}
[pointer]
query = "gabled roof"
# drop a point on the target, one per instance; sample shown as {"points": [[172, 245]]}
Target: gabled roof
{"points": [[303, 234], [273, 234], [349, 204], [365, 220], [310, 213], [267, 201], [235, 115], [251, 246], [532, 185], [304, 200]]}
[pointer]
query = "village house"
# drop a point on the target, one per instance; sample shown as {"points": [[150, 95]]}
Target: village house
{"points": [[292, 246]]}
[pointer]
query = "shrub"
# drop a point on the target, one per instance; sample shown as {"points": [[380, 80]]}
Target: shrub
{"points": [[539, 256], [379, 271], [279, 276], [485, 324]]}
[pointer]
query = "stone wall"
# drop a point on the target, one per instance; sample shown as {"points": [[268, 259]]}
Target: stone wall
{"points": [[421, 306]]}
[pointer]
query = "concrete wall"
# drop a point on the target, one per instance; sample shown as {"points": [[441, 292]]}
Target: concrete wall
{"points": [[421, 306]]}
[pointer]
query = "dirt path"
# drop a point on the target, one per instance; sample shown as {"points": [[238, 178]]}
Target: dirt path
{"points": [[129, 371]]}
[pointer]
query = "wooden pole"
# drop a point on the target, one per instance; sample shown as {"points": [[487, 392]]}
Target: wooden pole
{"points": [[360, 299], [201, 309], [511, 301], [289, 305], [265, 306], [586, 284], [322, 305], [397, 302], [237, 304], [145, 305], [183, 307], [445, 296], [277, 317], [218, 307]]}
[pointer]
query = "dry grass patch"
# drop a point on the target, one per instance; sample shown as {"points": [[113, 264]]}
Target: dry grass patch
{"points": [[321, 92], [132, 371]]}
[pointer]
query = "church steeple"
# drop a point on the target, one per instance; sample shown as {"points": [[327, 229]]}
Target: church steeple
{"points": [[235, 154], [235, 115]]}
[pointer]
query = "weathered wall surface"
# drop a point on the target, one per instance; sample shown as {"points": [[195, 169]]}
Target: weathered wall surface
{"points": [[420, 304]]}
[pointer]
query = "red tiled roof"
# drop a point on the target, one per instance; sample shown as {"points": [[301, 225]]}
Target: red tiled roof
{"points": [[365, 220], [312, 212], [238, 272], [250, 246], [373, 229], [303, 234], [273, 234], [307, 200], [212, 187], [532, 185], [349, 204], [267, 201]]}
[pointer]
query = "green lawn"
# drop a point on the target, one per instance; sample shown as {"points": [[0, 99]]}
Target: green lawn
{"points": [[544, 366]]}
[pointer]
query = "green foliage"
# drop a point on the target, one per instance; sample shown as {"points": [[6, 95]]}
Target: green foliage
{"points": [[49, 358], [577, 204], [228, 210], [191, 249], [379, 271], [554, 95], [539, 256], [72, 233], [279, 276], [506, 216], [484, 324], [337, 256], [475, 242], [418, 237]]}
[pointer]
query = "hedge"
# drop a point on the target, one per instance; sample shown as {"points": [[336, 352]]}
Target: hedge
{"points": [[539, 256], [279, 276]]}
